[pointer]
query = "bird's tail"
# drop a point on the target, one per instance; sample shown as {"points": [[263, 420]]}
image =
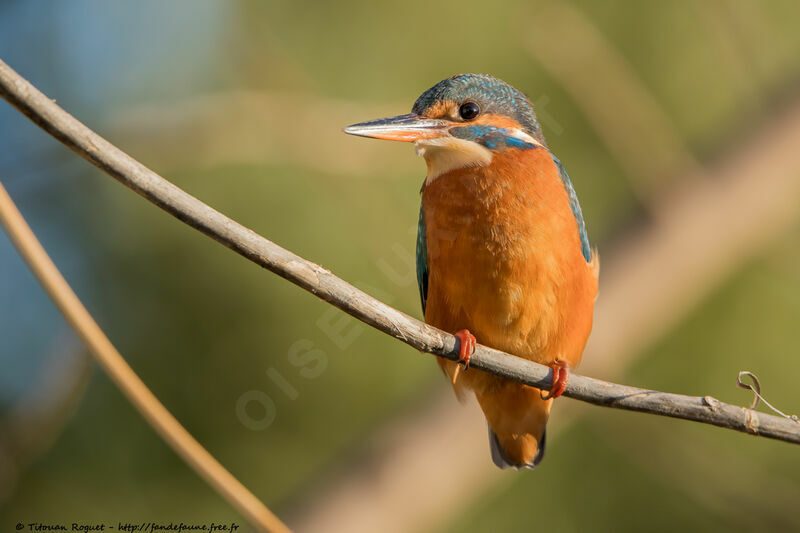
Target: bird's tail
{"points": [[517, 417], [500, 458]]}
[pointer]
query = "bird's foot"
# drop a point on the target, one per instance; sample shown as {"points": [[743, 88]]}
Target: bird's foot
{"points": [[560, 379], [466, 347]]}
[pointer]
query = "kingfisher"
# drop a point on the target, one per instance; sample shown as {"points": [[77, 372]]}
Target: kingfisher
{"points": [[502, 250]]}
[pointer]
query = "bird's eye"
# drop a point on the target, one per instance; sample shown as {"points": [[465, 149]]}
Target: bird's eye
{"points": [[469, 110]]}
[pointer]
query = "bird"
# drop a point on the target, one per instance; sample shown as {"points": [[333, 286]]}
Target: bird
{"points": [[503, 255]]}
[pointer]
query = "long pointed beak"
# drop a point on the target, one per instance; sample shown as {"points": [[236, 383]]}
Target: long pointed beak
{"points": [[408, 128]]}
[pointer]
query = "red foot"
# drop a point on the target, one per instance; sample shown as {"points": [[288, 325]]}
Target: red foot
{"points": [[560, 379], [466, 346]]}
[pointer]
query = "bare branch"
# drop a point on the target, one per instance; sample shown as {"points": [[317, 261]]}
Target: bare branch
{"points": [[355, 302]]}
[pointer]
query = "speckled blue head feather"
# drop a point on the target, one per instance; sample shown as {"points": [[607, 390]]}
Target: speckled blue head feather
{"points": [[492, 95]]}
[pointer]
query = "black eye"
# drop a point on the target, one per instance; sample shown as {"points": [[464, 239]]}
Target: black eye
{"points": [[469, 110]]}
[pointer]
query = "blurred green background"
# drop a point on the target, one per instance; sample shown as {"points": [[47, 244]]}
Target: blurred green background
{"points": [[241, 104]]}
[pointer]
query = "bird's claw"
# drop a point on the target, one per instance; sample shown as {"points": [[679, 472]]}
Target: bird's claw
{"points": [[466, 347], [560, 380]]}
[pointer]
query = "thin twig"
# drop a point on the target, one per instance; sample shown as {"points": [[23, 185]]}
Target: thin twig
{"points": [[756, 389], [355, 302], [191, 451]]}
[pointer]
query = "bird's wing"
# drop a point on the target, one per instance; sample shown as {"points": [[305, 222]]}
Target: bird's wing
{"points": [[422, 261], [576, 210]]}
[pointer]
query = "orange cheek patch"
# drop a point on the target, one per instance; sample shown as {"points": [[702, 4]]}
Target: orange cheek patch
{"points": [[441, 109], [497, 121]]}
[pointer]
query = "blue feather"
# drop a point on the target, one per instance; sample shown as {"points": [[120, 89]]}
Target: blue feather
{"points": [[576, 210], [492, 137]]}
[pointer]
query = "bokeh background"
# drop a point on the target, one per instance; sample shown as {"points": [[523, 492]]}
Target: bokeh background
{"points": [[679, 123]]}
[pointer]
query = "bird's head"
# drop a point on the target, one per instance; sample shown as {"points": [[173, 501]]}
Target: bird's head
{"points": [[461, 121]]}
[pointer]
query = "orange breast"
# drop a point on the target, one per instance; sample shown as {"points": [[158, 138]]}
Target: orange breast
{"points": [[505, 261]]}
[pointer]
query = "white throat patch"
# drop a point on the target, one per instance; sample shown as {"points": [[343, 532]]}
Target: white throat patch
{"points": [[444, 154], [447, 153]]}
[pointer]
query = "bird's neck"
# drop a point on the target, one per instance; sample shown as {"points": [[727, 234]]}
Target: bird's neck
{"points": [[487, 182]]}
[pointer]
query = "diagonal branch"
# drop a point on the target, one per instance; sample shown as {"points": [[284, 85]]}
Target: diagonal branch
{"points": [[355, 302]]}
